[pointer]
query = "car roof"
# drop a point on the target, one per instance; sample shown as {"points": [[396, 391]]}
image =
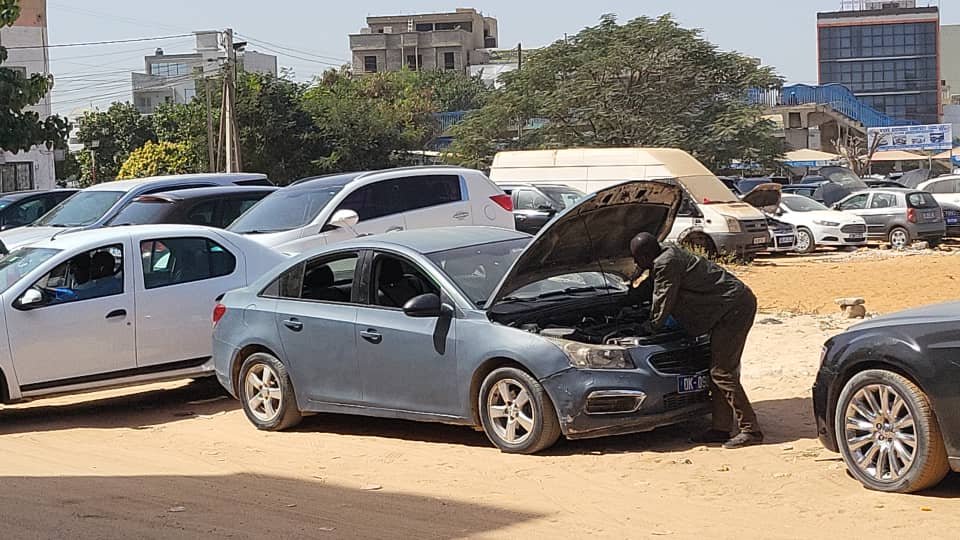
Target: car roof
{"points": [[211, 191], [432, 240], [17, 195], [363, 177], [174, 179], [889, 190], [81, 238]]}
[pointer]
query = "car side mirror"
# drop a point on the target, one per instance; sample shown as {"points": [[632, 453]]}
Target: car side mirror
{"points": [[31, 298], [836, 206], [426, 306], [344, 218]]}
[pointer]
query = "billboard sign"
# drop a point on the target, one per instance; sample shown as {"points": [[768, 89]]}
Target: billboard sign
{"points": [[928, 137]]}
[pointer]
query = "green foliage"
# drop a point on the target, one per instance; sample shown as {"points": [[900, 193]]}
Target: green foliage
{"points": [[155, 159], [21, 129], [452, 90], [648, 82], [118, 131], [186, 124]]}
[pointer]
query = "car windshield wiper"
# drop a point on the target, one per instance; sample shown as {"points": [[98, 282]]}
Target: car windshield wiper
{"points": [[260, 231]]}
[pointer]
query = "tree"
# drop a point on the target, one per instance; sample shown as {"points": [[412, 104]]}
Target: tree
{"points": [[453, 90], [155, 159], [115, 133], [186, 124], [648, 82], [21, 129]]}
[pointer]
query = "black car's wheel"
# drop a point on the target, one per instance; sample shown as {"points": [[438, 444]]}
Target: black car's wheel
{"points": [[888, 433], [266, 393], [805, 240], [899, 238], [516, 412]]}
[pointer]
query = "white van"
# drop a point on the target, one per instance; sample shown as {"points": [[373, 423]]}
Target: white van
{"points": [[711, 216]]}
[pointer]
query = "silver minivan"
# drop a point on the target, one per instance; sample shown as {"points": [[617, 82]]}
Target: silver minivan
{"points": [[897, 215]]}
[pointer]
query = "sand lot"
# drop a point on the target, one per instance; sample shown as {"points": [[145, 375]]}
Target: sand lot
{"points": [[181, 461]]}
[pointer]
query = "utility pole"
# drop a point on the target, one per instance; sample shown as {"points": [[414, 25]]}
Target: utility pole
{"points": [[231, 138], [519, 67], [211, 159]]}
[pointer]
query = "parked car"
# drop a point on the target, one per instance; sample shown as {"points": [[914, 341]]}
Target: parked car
{"points": [[21, 208], [899, 216], [951, 218], [211, 206], [811, 191], [126, 305], [535, 205], [745, 185], [319, 211], [885, 398], [529, 337], [913, 178], [96, 205], [818, 226], [766, 198], [945, 189], [878, 183]]}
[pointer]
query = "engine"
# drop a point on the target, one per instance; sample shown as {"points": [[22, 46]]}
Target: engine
{"points": [[626, 327]]}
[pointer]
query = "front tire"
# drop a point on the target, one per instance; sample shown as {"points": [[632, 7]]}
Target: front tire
{"points": [[266, 393], [516, 413], [899, 238], [888, 433], [806, 242]]}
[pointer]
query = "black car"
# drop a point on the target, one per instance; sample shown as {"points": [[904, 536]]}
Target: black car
{"points": [[211, 206], [535, 205], [24, 207], [887, 395]]}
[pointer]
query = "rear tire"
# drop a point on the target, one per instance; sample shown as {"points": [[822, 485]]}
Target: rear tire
{"points": [[899, 238], [266, 393], [806, 242], [516, 413]]}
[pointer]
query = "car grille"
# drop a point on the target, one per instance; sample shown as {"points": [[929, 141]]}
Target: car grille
{"points": [[682, 362], [854, 228], [675, 400], [754, 225]]}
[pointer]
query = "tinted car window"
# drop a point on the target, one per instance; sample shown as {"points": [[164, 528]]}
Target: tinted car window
{"points": [[921, 199], [883, 200], [84, 208], [944, 186], [25, 213], [525, 200], [425, 191], [563, 197], [285, 209], [143, 212], [203, 213], [478, 269], [171, 261], [234, 207], [327, 279], [93, 274], [855, 203], [375, 200], [396, 281]]}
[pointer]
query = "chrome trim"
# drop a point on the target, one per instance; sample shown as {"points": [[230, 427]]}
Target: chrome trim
{"points": [[638, 395]]}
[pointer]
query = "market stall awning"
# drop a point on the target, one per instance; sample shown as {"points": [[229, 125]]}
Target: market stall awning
{"points": [[897, 155], [806, 157], [946, 155]]}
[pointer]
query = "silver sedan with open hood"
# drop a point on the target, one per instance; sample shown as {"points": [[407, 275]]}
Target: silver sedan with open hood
{"points": [[529, 338]]}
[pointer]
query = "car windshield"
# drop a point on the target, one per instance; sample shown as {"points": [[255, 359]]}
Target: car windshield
{"points": [[562, 196], [802, 204], [20, 262], [284, 210], [84, 208]]}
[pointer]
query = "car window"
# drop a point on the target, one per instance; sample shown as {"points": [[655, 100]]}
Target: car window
{"points": [[93, 274], [286, 209], [525, 200], [234, 207], [858, 202], [433, 190], [141, 212], [921, 199], [24, 213], [687, 208], [324, 279], [375, 200], [478, 269], [84, 208], [883, 200], [396, 281], [171, 261], [563, 196], [203, 213], [20, 262], [802, 204], [944, 186]]}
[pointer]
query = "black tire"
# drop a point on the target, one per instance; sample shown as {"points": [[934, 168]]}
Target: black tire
{"points": [[286, 414], [935, 241], [929, 463], [545, 427], [894, 234], [811, 245], [701, 244]]}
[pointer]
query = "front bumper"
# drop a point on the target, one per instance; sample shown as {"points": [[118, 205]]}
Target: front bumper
{"points": [[834, 236], [662, 406], [821, 406], [781, 243], [748, 243]]}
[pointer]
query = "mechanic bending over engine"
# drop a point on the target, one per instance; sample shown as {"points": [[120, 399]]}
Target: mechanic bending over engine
{"points": [[704, 299]]}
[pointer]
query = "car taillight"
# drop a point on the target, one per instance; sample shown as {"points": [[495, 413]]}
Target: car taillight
{"points": [[218, 312], [911, 215], [504, 201]]}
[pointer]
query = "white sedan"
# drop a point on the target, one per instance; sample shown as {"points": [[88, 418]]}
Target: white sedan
{"points": [[818, 226], [117, 306]]}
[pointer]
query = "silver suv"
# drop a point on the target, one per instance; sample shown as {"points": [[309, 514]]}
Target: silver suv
{"points": [[898, 216]]}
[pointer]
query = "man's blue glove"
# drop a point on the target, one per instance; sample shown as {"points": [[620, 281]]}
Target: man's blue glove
{"points": [[671, 323]]}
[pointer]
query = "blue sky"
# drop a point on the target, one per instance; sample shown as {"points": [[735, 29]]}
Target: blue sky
{"points": [[781, 33]]}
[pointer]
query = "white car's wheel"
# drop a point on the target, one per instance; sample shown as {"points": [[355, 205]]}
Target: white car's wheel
{"points": [[805, 241]]}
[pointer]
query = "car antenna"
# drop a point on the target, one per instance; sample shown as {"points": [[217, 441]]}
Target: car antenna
{"points": [[58, 233]]}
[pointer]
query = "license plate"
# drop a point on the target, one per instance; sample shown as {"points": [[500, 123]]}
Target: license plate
{"points": [[688, 384], [855, 238], [952, 221], [759, 241], [786, 240], [930, 215]]}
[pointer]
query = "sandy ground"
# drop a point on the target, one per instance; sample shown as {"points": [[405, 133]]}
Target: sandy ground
{"points": [[181, 461]]}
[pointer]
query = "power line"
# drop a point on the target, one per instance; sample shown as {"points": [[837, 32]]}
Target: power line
{"points": [[110, 42], [291, 49]]}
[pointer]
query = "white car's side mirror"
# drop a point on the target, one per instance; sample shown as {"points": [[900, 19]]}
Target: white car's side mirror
{"points": [[30, 298], [344, 218]]}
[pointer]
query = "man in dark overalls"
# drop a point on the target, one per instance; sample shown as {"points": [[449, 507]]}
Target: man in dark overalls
{"points": [[705, 299]]}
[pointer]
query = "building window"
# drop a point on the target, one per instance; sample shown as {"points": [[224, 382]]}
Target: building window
{"points": [[370, 64], [449, 61], [424, 27], [16, 176], [468, 26], [169, 69], [414, 62]]}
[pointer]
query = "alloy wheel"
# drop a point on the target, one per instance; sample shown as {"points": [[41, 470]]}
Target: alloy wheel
{"points": [[511, 411], [803, 241], [880, 433], [898, 239], [262, 392]]}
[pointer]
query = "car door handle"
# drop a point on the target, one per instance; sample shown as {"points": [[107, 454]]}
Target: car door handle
{"points": [[116, 314], [461, 215], [372, 336], [395, 229], [521, 217], [293, 324]]}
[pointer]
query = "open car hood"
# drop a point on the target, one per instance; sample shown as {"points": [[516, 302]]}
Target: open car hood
{"points": [[763, 196], [594, 235]]}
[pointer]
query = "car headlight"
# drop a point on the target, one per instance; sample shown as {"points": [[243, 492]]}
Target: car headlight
{"points": [[733, 224], [583, 355], [825, 223]]}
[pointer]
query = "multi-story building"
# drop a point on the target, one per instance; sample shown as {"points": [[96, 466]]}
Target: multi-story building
{"points": [[33, 169], [886, 53], [950, 61], [177, 77], [447, 41]]}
